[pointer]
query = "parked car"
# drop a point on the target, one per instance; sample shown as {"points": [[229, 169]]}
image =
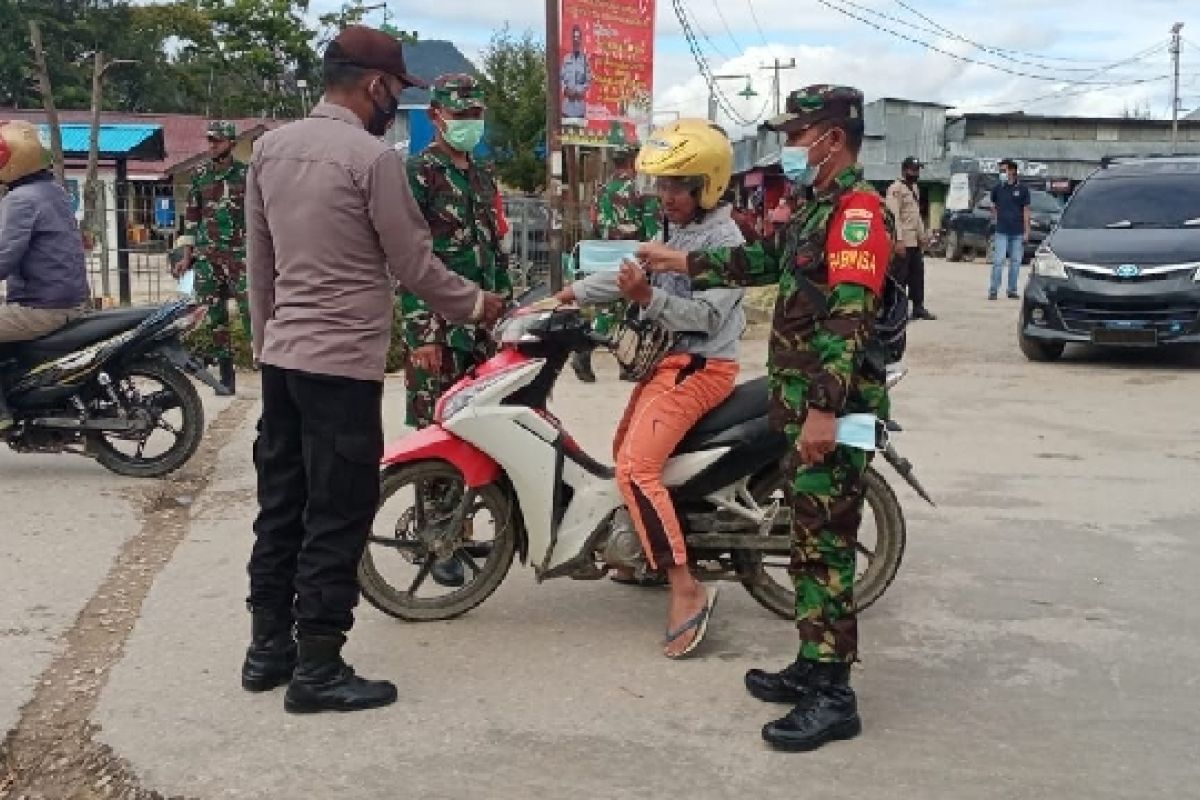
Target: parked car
{"points": [[971, 230], [1123, 266]]}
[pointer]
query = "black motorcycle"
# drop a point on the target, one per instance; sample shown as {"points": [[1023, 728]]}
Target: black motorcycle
{"points": [[112, 385]]}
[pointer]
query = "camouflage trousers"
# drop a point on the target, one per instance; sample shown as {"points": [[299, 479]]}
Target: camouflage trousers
{"points": [[215, 287], [422, 388], [827, 506]]}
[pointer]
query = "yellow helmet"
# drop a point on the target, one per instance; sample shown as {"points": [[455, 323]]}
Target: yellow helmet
{"points": [[690, 148], [21, 151]]}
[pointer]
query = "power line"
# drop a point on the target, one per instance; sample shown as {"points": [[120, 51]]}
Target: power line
{"points": [[723, 102], [1062, 94], [955, 56], [943, 29], [728, 30], [940, 30], [754, 16]]}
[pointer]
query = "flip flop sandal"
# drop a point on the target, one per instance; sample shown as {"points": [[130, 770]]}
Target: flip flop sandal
{"points": [[699, 623]]}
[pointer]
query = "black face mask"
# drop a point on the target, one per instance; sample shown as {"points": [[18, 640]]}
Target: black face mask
{"points": [[910, 178], [382, 116]]}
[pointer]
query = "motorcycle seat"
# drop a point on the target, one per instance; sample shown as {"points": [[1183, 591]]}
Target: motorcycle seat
{"points": [[85, 331], [748, 401]]}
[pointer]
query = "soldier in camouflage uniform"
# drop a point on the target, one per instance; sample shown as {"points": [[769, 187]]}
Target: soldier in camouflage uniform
{"points": [[621, 212], [214, 243], [830, 262], [458, 199]]}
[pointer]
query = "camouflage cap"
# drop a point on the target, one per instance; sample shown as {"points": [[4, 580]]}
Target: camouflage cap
{"points": [[457, 93], [818, 103], [220, 129]]}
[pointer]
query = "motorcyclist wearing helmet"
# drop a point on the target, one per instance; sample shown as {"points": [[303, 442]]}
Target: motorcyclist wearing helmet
{"points": [[691, 162], [41, 251]]}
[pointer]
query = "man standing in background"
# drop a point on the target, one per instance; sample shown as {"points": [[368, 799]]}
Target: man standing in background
{"points": [[576, 78], [1010, 212], [904, 201], [622, 212], [215, 226]]}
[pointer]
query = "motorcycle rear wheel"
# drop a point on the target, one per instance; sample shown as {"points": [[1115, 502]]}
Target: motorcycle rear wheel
{"points": [[175, 385], [482, 581], [883, 563]]}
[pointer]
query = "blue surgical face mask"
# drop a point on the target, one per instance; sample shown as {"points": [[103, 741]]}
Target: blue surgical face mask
{"points": [[859, 431], [794, 162]]}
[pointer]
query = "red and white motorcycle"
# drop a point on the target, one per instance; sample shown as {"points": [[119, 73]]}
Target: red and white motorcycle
{"points": [[498, 475]]}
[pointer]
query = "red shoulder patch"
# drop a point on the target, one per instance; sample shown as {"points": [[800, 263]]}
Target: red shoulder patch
{"points": [[858, 247]]}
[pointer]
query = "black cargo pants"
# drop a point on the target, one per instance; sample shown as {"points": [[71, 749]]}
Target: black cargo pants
{"points": [[320, 440]]}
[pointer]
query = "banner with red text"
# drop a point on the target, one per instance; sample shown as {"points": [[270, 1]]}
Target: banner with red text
{"points": [[607, 71]]}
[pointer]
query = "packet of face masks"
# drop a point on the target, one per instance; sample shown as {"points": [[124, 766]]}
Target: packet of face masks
{"points": [[859, 431], [187, 283]]}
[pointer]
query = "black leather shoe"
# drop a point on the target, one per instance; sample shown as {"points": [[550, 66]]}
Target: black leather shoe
{"points": [[448, 573], [582, 364], [228, 377], [271, 657], [922, 313], [324, 682], [830, 714], [790, 685]]}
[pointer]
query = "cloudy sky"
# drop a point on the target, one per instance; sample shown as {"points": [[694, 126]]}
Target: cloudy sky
{"points": [[1059, 46]]}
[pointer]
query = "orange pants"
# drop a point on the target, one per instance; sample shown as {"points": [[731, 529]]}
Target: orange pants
{"points": [[660, 413]]}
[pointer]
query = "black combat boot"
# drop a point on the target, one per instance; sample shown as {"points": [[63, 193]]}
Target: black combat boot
{"points": [[448, 573], [271, 657], [789, 685], [324, 682], [582, 364], [828, 714], [228, 377]]}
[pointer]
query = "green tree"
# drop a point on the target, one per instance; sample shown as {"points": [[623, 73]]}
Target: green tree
{"points": [[514, 81]]}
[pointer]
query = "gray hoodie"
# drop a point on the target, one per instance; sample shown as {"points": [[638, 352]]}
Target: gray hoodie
{"points": [[712, 320], [41, 252]]}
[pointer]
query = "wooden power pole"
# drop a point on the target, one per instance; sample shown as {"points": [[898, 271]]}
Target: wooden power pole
{"points": [[39, 59]]}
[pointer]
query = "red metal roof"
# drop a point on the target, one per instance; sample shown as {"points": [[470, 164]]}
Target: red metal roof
{"points": [[183, 134]]}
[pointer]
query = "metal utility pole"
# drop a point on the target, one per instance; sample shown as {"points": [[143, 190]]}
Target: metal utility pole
{"points": [[712, 92], [775, 86], [39, 57], [1175, 48], [553, 125]]}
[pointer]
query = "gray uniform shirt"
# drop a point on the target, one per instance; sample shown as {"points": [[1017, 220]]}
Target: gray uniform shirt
{"points": [[712, 320], [575, 78], [332, 231]]}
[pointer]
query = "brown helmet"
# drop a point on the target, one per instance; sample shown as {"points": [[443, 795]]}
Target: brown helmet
{"points": [[21, 151]]}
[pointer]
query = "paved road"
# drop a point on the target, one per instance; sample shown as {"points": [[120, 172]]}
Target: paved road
{"points": [[1038, 642]]}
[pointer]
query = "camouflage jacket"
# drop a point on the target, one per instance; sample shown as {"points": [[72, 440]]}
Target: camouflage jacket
{"points": [[622, 212], [460, 207], [841, 242], [215, 217]]}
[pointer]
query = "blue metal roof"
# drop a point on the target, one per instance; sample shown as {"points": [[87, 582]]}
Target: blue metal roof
{"points": [[142, 142]]}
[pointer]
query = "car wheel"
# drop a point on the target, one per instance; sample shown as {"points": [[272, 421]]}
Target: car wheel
{"points": [[954, 247], [1039, 350]]}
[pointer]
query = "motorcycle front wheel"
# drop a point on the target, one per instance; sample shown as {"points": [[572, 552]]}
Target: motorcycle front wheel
{"points": [[159, 395], [417, 509], [879, 555]]}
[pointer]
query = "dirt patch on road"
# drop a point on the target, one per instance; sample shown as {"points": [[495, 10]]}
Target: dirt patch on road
{"points": [[52, 753]]}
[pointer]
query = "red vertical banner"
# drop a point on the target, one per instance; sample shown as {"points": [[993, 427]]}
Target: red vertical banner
{"points": [[606, 74]]}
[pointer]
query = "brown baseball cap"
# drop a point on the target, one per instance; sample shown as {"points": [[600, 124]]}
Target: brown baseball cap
{"points": [[371, 49]]}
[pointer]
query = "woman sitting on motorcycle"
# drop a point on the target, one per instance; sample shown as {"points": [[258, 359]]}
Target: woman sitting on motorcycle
{"points": [[691, 162]]}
